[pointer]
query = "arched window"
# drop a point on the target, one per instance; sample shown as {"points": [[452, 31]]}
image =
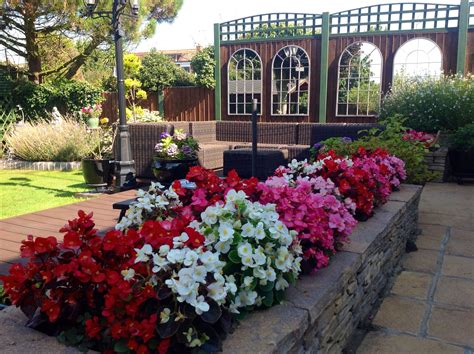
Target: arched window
{"points": [[418, 57], [244, 80], [359, 80], [290, 81]]}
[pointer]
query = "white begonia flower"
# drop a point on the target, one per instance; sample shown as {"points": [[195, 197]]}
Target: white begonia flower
{"points": [[247, 298], [259, 256], [248, 230], [201, 305], [226, 231], [233, 196], [164, 249], [259, 273], [260, 231], [165, 315], [210, 260], [199, 274], [223, 247], [248, 281], [143, 253], [128, 274], [281, 283], [217, 292], [244, 249], [248, 261], [176, 256], [160, 263], [190, 258], [271, 274], [258, 301]]}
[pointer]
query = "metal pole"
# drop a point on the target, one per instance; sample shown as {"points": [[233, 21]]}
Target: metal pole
{"points": [[254, 137], [124, 165]]}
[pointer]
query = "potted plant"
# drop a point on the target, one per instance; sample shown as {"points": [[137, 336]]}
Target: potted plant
{"points": [[91, 115], [174, 155], [98, 166], [461, 153]]}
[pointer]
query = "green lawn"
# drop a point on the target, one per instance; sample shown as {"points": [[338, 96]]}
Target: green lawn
{"points": [[23, 191]]}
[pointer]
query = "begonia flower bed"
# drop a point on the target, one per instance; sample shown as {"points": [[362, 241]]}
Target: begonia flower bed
{"points": [[184, 264]]}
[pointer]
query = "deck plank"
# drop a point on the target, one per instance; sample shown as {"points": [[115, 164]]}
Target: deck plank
{"points": [[48, 222]]}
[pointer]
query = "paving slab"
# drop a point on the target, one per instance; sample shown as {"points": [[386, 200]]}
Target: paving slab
{"points": [[458, 267], [402, 314], [453, 325], [412, 284], [421, 261], [460, 245], [379, 342], [455, 291]]}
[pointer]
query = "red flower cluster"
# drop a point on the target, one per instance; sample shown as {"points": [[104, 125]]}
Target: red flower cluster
{"points": [[210, 189], [423, 137], [82, 276]]}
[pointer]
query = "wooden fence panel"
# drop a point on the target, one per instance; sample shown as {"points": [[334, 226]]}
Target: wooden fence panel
{"points": [[191, 104]]}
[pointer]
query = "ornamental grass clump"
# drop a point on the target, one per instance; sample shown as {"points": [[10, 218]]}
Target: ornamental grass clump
{"points": [[45, 141]]}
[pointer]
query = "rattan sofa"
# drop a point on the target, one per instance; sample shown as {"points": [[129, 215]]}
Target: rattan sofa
{"points": [[217, 137]]}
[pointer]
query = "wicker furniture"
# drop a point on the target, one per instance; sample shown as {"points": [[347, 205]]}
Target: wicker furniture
{"points": [[241, 161]]}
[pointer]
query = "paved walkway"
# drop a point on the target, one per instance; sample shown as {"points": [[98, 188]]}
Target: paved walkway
{"points": [[48, 222], [431, 306]]}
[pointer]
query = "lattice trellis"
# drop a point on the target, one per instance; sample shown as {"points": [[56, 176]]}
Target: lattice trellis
{"points": [[387, 18], [275, 25], [395, 17]]}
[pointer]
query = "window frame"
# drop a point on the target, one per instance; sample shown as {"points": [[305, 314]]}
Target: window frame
{"points": [[272, 81], [253, 93]]}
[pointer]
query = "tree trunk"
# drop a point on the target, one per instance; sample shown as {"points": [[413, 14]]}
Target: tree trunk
{"points": [[33, 58], [81, 58]]}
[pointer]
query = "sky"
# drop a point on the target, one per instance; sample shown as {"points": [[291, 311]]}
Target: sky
{"points": [[195, 20]]}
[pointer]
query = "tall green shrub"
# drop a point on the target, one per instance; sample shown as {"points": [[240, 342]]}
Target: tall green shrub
{"points": [[203, 65], [68, 96], [430, 104]]}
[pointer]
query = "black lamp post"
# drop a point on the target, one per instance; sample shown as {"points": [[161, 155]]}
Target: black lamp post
{"points": [[124, 164]]}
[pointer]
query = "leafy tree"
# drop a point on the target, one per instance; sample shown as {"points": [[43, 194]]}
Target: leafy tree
{"points": [[32, 22], [158, 71], [133, 86], [203, 65]]}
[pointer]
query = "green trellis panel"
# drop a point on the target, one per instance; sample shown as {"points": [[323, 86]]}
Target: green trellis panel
{"points": [[323, 82], [217, 71], [462, 36]]}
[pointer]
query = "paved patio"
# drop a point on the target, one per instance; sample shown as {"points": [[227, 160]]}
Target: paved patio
{"points": [[48, 222], [431, 306]]}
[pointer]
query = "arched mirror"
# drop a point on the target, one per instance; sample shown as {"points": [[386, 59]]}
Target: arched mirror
{"points": [[244, 79], [418, 57], [290, 81], [359, 80]]}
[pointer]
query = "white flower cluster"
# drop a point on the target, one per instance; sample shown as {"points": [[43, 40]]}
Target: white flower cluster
{"points": [[148, 202], [195, 274], [304, 168], [251, 236]]}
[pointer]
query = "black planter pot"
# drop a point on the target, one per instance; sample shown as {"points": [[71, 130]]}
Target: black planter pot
{"points": [[462, 163], [166, 171], [97, 173]]}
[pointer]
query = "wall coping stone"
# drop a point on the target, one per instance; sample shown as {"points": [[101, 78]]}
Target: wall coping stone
{"points": [[39, 165], [317, 306]]}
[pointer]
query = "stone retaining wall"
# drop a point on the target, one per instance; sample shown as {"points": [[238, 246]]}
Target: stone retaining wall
{"points": [[437, 162], [321, 312], [39, 166]]}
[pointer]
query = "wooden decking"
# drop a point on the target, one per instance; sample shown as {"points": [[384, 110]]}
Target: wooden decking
{"points": [[48, 222]]}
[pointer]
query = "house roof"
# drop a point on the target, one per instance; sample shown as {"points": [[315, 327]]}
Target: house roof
{"points": [[178, 55]]}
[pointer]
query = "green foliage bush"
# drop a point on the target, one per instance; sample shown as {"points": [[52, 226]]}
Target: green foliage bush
{"points": [[44, 141], [68, 96], [158, 72], [203, 65], [390, 139], [463, 138], [430, 104]]}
